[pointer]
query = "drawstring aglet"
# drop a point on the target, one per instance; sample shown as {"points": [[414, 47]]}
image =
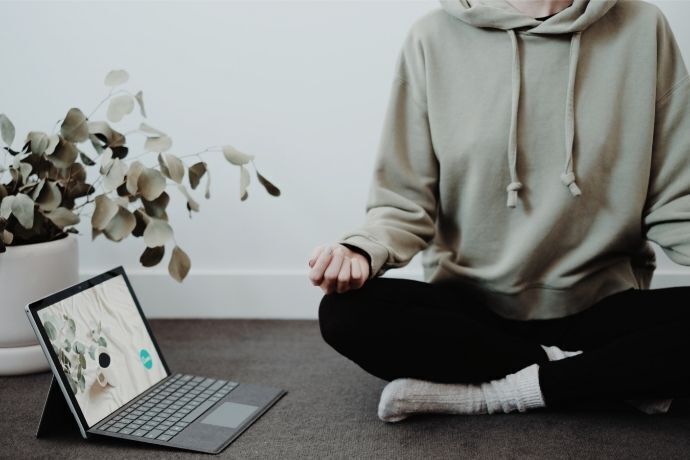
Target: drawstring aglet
{"points": [[512, 190], [569, 180]]}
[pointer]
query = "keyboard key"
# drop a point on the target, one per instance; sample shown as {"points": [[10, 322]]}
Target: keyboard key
{"points": [[126, 430], [153, 434], [140, 433], [164, 437], [217, 384], [198, 411]]}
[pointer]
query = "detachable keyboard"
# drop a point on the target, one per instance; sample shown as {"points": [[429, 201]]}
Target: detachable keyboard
{"points": [[168, 408]]}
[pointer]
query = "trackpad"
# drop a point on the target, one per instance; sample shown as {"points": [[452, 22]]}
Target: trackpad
{"points": [[229, 414]]}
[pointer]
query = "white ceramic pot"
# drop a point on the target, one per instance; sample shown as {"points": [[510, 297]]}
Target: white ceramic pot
{"points": [[27, 273]]}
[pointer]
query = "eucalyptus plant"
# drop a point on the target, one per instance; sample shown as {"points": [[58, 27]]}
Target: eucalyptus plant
{"points": [[44, 191]]}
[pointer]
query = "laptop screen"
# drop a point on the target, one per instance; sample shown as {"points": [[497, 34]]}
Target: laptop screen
{"points": [[103, 347]]}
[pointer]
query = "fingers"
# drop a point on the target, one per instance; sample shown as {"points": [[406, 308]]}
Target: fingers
{"points": [[317, 272], [315, 254], [363, 265], [330, 276], [343, 281], [356, 271], [335, 268]]}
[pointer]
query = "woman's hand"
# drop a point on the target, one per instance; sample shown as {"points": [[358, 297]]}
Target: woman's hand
{"points": [[336, 268]]}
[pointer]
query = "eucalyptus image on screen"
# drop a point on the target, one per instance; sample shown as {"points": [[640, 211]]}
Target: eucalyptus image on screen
{"points": [[103, 347]]}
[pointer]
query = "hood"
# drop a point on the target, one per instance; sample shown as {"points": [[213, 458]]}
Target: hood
{"points": [[499, 14]]}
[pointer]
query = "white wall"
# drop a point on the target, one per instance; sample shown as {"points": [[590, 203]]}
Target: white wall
{"points": [[302, 85]]}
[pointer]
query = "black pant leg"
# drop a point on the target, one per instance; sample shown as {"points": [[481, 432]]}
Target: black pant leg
{"points": [[635, 345], [394, 328]]}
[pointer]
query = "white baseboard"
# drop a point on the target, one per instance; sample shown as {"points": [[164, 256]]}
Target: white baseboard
{"points": [[284, 294]]}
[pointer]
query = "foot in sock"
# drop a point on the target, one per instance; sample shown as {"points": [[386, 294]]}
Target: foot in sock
{"points": [[554, 353], [515, 392]]}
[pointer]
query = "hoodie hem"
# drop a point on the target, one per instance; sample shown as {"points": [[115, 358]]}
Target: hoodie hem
{"points": [[540, 301]]}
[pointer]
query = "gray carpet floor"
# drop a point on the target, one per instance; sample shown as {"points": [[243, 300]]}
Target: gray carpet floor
{"points": [[330, 409]]}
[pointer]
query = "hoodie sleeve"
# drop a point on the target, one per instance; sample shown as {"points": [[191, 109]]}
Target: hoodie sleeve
{"points": [[402, 199], [667, 209]]}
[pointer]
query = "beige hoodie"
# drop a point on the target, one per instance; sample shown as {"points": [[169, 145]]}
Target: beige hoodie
{"points": [[534, 159]]}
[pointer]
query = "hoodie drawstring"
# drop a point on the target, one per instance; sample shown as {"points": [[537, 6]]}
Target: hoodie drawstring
{"points": [[567, 176]]}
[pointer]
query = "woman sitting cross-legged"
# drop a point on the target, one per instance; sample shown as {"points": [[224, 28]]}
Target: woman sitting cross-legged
{"points": [[531, 150]]}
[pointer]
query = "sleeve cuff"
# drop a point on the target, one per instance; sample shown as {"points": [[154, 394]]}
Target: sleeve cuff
{"points": [[378, 254]]}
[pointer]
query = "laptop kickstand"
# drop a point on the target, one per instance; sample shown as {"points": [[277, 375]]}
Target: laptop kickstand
{"points": [[56, 416]]}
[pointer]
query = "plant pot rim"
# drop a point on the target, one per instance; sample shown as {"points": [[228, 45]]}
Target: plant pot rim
{"points": [[62, 239]]}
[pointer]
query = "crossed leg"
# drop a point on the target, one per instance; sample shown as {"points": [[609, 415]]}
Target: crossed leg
{"points": [[634, 340]]}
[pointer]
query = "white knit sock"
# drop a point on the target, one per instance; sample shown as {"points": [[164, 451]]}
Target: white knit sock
{"points": [[515, 392], [554, 353], [648, 406]]}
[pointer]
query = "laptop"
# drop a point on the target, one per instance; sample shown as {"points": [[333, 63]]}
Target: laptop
{"points": [[113, 377]]}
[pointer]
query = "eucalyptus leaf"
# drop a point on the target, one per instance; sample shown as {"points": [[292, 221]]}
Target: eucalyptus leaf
{"points": [[24, 170], [157, 207], [106, 161], [104, 210], [53, 142], [37, 141], [63, 217], [115, 175], [148, 129], [86, 159], [171, 167], [120, 226], [152, 256], [74, 127], [23, 210], [82, 380], [179, 264], [157, 144], [116, 77], [64, 155], [192, 205], [142, 221], [244, 183], [105, 134], [150, 184], [102, 342], [7, 130], [270, 188], [6, 207], [157, 233], [120, 106], [195, 173], [140, 100], [95, 233], [49, 197], [133, 173], [236, 157], [92, 352]]}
